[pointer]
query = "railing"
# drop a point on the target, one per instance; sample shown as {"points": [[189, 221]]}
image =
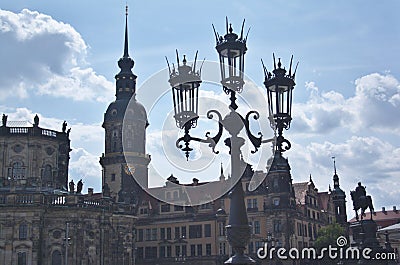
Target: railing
{"points": [[24, 199], [49, 133], [31, 131], [20, 199], [19, 130]]}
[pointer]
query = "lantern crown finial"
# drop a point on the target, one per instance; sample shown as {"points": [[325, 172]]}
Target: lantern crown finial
{"points": [[279, 71]]}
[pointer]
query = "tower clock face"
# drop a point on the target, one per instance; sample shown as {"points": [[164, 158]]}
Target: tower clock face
{"points": [[129, 169]]}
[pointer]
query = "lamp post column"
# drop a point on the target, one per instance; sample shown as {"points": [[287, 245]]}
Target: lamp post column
{"points": [[238, 229]]}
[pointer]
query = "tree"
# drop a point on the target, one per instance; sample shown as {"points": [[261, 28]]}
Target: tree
{"points": [[327, 236]]}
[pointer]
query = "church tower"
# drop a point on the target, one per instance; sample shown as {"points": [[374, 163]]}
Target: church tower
{"points": [[339, 199], [125, 163]]}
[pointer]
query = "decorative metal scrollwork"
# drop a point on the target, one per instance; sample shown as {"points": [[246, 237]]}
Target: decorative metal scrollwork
{"points": [[212, 141]]}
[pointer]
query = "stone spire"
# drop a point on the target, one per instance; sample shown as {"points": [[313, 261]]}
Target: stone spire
{"points": [[126, 80]]}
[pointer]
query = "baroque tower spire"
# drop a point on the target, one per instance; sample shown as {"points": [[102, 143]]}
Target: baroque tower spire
{"points": [[125, 162], [125, 79], [126, 50]]}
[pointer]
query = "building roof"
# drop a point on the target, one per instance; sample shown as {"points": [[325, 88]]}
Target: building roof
{"points": [[19, 124], [385, 215], [395, 227]]}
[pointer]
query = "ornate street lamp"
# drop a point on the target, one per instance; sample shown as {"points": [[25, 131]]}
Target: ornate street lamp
{"points": [[185, 83], [279, 87]]}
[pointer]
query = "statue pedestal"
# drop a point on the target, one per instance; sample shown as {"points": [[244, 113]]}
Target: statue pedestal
{"points": [[364, 236], [364, 233]]}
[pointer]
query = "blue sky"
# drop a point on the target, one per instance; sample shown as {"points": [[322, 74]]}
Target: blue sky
{"points": [[59, 58]]}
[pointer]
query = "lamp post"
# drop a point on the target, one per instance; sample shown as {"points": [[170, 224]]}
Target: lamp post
{"points": [[185, 82]]}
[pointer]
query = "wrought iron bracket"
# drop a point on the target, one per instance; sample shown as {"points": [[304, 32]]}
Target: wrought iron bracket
{"points": [[256, 141], [212, 141]]}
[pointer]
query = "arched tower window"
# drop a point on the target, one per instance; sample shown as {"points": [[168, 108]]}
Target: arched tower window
{"points": [[56, 258], [276, 184], [115, 140]]}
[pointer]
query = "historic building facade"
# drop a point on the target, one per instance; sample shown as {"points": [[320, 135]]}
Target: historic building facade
{"points": [[282, 214], [41, 222]]}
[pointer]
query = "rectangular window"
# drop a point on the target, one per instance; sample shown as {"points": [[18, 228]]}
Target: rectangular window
{"points": [[192, 250], [207, 230], [195, 231], [178, 208], [256, 227], [199, 250], [177, 233], [144, 210], [183, 231], [258, 245], [162, 251], [208, 249], [148, 234], [139, 253], [249, 204], [154, 234], [169, 233], [140, 235], [177, 251], [162, 233], [222, 249], [251, 247], [255, 205], [150, 252], [169, 251], [299, 229], [112, 177], [165, 208], [221, 228], [184, 253]]}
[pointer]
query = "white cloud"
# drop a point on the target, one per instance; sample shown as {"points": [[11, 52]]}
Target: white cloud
{"points": [[84, 165], [376, 98], [43, 56]]}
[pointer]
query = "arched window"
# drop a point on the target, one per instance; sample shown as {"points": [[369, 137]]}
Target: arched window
{"points": [[47, 175], [21, 256], [56, 258], [276, 184], [23, 231], [18, 171]]}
